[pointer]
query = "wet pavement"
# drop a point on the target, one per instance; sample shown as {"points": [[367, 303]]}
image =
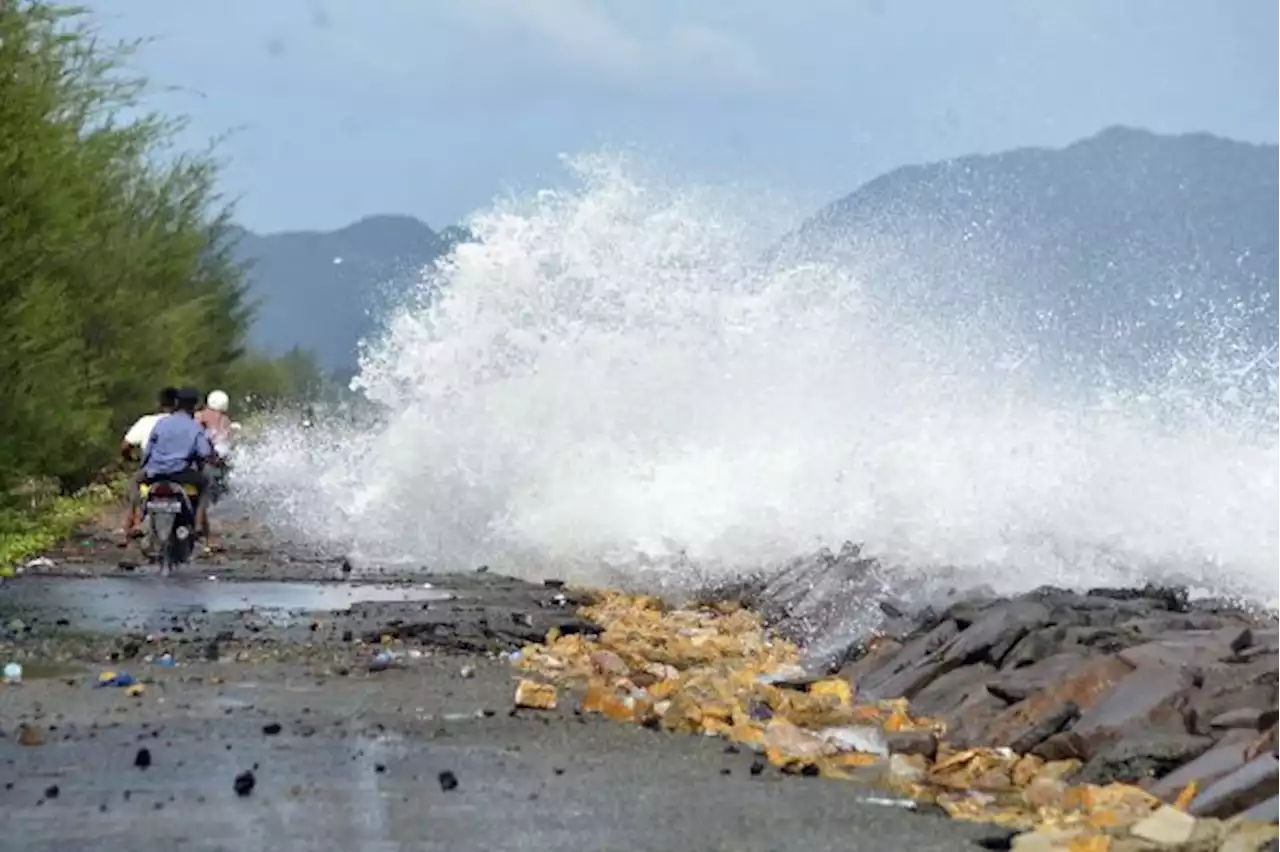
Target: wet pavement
{"points": [[111, 603], [354, 762], [276, 678], [330, 794]]}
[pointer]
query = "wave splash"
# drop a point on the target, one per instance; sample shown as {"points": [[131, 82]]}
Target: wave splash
{"points": [[620, 377]]}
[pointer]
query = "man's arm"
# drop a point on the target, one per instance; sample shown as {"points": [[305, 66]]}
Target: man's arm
{"points": [[204, 448], [133, 437]]}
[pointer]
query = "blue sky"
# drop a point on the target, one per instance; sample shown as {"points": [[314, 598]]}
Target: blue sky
{"points": [[340, 109]]}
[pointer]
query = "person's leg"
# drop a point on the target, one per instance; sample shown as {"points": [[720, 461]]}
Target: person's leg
{"points": [[135, 501], [205, 481]]}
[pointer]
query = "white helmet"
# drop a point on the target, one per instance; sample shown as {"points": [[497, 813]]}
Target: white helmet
{"points": [[217, 401]]}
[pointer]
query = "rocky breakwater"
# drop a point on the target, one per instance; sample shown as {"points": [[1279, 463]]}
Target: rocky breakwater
{"points": [[1112, 719]]}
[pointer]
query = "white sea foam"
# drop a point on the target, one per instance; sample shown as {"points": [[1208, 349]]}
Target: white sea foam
{"points": [[612, 379]]}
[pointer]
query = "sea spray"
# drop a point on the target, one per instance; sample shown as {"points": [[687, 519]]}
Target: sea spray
{"points": [[620, 380]]}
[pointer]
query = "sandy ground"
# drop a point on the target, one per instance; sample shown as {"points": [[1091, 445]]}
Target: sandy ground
{"points": [[278, 679]]}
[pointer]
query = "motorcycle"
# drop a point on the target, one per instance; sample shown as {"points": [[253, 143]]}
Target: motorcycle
{"points": [[169, 523]]}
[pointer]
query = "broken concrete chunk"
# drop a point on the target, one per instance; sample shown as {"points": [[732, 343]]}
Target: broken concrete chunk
{"points": [[1133, 702], [857, 738], [994, 634], [1166, 826], [907, 769], [1240, 790], [881, 683], [923, 743], [1226, 756], [535, 696], [1083, 688], [1254, 718], [1142, 756], [608, 663], [1267, 810]]}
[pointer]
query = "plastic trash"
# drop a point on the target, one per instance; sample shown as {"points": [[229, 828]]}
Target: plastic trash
{"points": [[165, 659], [118, 679], [782, 674], [384, 660], [12, 673]]}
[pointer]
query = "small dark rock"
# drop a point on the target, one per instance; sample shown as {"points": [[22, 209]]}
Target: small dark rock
{"points": [[726, 771], [757, 766], [52, 791], [553, 584], [448, 781], [380, 768], [890, 610], [271, 729], [244, 783], [931, 809], [143, 758], [1000, 840]]}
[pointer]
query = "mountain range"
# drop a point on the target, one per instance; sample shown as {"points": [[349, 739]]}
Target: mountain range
{"points": [[1118, 244]]}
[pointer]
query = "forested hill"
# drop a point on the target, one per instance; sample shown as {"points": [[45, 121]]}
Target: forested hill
{"points": [[1119, 249], [323, 291]]}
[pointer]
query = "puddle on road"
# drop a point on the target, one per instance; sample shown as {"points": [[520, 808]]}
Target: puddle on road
{"points": [[91, 602]]}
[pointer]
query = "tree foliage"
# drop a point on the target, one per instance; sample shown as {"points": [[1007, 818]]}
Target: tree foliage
{"points": [[116, 268]]}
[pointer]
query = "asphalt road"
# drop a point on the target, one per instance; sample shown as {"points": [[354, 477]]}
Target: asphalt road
{"points": [[356, 762], [356, 766]]}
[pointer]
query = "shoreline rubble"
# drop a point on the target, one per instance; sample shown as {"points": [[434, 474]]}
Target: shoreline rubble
{"points": [[1113, 719]]}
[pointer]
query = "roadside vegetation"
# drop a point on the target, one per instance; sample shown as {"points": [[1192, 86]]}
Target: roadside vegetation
{"points": [[117, 274]]}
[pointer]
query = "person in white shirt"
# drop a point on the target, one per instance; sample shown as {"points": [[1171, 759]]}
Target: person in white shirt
{"points": [[216, 421], [135, 439]]}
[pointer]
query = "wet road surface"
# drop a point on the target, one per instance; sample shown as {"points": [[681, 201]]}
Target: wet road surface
{"points": [[355, 762], [356, 766], [108, 603]]}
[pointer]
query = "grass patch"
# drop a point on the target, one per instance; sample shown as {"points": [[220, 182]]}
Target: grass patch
{"points": [[29, 530]]}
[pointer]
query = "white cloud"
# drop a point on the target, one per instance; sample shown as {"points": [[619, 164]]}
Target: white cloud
{"points": [[583, 34]]}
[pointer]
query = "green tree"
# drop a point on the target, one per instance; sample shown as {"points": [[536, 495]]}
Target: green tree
{"points": [[116, 270]]}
